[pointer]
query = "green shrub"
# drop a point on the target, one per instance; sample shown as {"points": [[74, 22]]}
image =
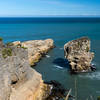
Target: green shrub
{"points": [[6, 52], [9, 44], [79, 44], [1, 39], [18, 45], [87, 49], [24, 47], [98, 98]]}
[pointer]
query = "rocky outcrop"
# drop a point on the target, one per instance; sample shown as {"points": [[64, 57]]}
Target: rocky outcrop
{"points": [[36, 48], [78, 54], [58, 92], [18, 81]]}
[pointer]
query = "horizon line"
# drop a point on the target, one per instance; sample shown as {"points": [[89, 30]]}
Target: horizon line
{"points": [[90, 15], [50, 16]]}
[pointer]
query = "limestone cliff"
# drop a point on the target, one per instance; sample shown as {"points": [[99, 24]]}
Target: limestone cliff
{"points": [[18, 81], [78, 54], [36, 48]]}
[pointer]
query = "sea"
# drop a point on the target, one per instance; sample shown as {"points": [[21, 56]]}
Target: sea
{"points": [[85, 86]]}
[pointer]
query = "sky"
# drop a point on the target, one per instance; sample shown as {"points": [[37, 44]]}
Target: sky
{"points": [[49, 8]]}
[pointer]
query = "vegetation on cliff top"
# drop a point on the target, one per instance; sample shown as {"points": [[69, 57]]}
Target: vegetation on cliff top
{"points": [[1, 38], [9, 44], [19, 45], [23, 47], [6, 52]]}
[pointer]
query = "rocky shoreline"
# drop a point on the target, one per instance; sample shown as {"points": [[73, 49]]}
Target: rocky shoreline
{"points": [[18, 81], [36, 49]]}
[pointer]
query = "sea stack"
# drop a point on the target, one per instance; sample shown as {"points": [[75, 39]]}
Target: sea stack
{"points": [[77, 52]]}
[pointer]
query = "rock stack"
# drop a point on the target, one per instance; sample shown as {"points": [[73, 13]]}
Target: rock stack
{"points": [[77, 52]]}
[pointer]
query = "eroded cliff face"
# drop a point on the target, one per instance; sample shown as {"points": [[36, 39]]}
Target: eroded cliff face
{"points": [[36, 49], [78, 54], [18, 81]]}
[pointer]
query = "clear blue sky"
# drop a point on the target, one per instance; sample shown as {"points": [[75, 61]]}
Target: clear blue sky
{"points": [[49, 7]]}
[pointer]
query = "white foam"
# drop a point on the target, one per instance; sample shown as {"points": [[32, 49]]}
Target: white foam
{"points": [[47, 56], [93, 63], [58, 66], [98, 92], [61, 48], [93, 76]]}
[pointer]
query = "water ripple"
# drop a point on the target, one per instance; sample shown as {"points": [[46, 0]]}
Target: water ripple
{"points": [[93, 76]]}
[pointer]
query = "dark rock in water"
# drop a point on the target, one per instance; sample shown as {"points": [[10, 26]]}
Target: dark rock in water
{"points": [[57, 91], [93, 68], [78, 54]]}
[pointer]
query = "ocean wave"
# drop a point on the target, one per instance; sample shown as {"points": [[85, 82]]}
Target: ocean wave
{"points": [[61, 48], [47, 56], [58, 66], [93, 76], [98, 92]]}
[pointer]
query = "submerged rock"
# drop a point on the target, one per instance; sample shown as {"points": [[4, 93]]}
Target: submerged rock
{"points": [[78, 54]]}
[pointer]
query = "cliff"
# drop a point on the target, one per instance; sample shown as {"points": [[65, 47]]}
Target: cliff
{"points": [[78, 54], [18, 81], [36, 48]]}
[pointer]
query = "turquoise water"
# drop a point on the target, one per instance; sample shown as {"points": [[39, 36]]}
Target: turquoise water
{"points": [[53, 67]]}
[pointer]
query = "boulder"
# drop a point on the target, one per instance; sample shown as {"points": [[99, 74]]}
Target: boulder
{"points": [[77, 52]]}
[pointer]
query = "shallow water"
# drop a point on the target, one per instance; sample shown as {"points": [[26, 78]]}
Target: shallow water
{"points": [[54, 66]]}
